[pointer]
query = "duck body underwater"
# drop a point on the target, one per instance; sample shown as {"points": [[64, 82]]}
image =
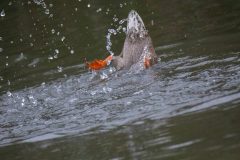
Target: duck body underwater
{"points": [[137, 49]]}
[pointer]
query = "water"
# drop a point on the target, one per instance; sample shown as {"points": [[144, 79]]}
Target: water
{"points": [[185, 107]]}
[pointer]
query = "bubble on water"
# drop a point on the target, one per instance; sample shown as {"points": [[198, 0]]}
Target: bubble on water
{"points": [[1, 50], [50, 5], [10, 3], [76, 9], [88, 5], [51, 15], [3, 13], [61, 25], [72, 51], [11, 42], [20, 39], [1, 38], [6, 64], [1, 78], [99, 10], [121, 5], [29, 2], [9, 94], [59, 68], [79, 0], [31, 44], [30, 35], [53, 31], [58, 33]]}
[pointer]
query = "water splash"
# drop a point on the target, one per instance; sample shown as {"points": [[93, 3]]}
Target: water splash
{"points": [[114, 32], [20, 57]]}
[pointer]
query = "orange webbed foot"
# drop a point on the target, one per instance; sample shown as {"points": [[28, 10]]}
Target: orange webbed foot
{"points": [[99, 64]]}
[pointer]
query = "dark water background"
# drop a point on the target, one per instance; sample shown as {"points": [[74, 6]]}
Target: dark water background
{"points": [[185, 107]]}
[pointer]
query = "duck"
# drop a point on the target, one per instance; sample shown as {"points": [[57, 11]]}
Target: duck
{"points": [[137, 48]]}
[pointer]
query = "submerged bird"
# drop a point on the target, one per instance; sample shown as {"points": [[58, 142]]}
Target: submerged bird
{"points": [[137, 48]]}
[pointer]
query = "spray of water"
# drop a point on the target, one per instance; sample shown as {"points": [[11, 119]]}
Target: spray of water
{"points": [[114, 32]]}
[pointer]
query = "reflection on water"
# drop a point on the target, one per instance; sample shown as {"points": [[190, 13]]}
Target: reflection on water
{"points": [[185, 107]]}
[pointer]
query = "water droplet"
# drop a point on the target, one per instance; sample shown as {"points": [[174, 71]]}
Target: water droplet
{"points": [[1, 50], [99, 10], [76, 9], [50, 5], [31, 44], [7, 64], [107, 89], [93, 93], [30, 35], [121, 5], [22, 103], [88, 5], [3, 13], [34, 62], [1, 38], [9, 94], [1, 78], [59, 68], [11, 42], [115, 19], [152, 22], [50, 57], [112, 69], [10, 3], [124, 29], [72, 51], [46, 11], [20, 57], [63, 38], [103, 76], [53, 31], [56, 51]]}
